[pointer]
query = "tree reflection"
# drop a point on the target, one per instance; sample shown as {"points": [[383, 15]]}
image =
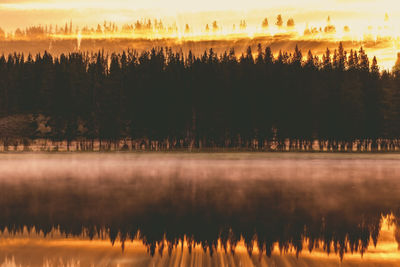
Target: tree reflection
{"points": [[165, 212]]}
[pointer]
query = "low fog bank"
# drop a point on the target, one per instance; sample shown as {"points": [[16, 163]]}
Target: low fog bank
{"points": [[202, 167]]}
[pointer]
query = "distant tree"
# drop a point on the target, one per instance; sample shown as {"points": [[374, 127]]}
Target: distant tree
{"points": [[187, 28], [260, 54], [330, 29], [396, 67], [374, 66], [268, 56], [310, 60], [279, 21], [99, 30], [243, 25], [264, 23], [350, 61], [326, 60], [297, 57], [126, 28], [19, 33], [341, 58], [70, 28], [215, 26], [290, 23], [356, 59], [363, 62], [335, 59]]}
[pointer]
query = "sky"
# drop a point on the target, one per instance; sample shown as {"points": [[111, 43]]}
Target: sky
{"points": [[20, 13], [362, 16]]}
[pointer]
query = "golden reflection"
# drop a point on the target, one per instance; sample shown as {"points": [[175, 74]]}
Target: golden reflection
{"points": [[34, 249], [182, 205]]}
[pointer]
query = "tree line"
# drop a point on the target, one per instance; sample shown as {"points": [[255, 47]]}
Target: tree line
{"points": [[146, 26], [253, 100]]}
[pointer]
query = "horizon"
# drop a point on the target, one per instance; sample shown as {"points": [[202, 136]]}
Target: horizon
{"points": [[365, 20]]}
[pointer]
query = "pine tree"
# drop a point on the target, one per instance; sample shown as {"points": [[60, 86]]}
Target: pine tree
{"points": [[374, 66], [326, 60], [297, 56]]}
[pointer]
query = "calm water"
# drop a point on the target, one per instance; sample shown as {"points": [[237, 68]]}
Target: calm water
{"points": [[220, 209]]}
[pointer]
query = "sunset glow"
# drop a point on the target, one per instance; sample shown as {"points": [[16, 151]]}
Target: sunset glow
{"points": [[355, 21], [168, 133], [354, 13], [50, 248]]}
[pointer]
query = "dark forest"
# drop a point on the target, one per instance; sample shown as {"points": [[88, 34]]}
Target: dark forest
{"points": [[165, 99]]}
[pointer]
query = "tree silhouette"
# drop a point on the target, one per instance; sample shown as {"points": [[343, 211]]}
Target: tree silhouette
{"points": [[161, 99], [266, 210], [264, 23], [215, 26], [279, 21], [290, 23]]}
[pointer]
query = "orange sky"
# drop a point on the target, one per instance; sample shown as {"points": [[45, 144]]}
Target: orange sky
{"points": [[19, 13], [362, 16]]}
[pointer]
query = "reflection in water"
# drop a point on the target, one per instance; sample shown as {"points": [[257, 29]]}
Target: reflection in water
{"points": [[58, 251], [198, 209]]}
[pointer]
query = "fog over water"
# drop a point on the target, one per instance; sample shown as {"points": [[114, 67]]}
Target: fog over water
{"points": [[182, 209]]}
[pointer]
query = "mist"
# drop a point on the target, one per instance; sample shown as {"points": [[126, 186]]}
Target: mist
{"points": [[205, 199]]}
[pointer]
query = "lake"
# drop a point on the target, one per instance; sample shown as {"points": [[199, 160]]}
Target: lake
{"points": [[199, 209]]}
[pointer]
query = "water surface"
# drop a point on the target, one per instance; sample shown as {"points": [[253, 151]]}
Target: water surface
{"points": [[182, 209]]}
